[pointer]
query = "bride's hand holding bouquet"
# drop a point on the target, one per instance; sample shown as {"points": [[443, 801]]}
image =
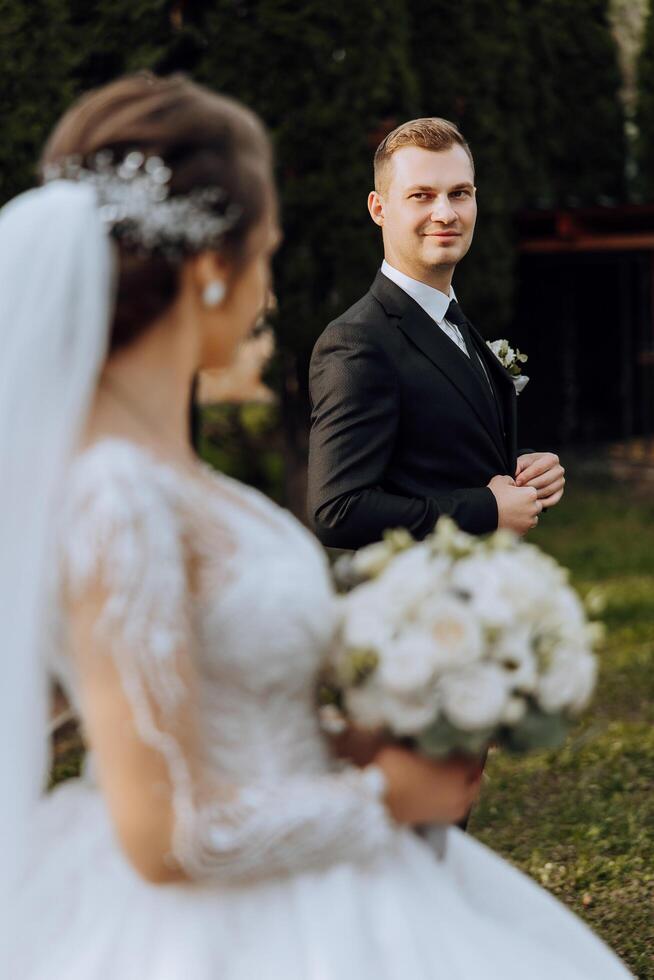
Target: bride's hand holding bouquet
{"points": [[419, 790]]}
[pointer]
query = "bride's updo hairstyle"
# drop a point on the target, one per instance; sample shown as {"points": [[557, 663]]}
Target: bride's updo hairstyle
{"points": [[206, 140]]}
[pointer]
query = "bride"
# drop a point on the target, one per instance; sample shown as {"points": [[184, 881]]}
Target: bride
{"points": [[213, 836]]}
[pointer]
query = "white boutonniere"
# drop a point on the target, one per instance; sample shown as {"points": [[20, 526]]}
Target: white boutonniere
{"points": [[511, 359]]}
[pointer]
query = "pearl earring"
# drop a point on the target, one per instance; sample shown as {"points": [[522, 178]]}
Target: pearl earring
{"points": [[213, 293]]}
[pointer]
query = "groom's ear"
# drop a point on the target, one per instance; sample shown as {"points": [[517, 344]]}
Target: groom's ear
{"points": [[376, 208]]}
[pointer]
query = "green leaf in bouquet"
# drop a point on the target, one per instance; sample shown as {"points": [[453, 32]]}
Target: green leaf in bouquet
{"points": [[399, 539], [448, 539], [537, 730], [357, 666], [442, 738], [329, 693]]}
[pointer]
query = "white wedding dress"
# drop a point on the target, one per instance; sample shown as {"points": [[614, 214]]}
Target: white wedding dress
{"points": [[301, 876]]}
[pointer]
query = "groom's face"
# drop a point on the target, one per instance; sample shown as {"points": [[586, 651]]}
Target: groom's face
{"points": [[427, 209]]}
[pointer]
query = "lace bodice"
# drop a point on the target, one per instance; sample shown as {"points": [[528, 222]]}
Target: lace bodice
{"points": [[198, 568]]}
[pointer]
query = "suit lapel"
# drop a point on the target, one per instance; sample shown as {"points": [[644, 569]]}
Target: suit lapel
{"points": [[443, 353], [505, 390]]}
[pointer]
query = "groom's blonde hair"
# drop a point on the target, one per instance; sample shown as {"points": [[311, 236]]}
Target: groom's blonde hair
{"points": [[431, 133]]}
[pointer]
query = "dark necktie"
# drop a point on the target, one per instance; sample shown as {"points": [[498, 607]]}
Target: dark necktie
{"points": [[456, 316]]}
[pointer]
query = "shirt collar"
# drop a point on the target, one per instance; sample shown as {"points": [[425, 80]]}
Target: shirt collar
{"points": [[433, 301]]}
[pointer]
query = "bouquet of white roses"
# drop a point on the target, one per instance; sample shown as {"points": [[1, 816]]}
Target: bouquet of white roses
{"points": [[458, 642]]}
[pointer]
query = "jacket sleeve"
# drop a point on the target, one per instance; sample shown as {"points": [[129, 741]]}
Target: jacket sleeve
{"points": [[355, 413]]}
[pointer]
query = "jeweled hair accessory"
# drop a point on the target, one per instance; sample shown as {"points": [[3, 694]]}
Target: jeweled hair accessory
{"points": [[136, 207]]}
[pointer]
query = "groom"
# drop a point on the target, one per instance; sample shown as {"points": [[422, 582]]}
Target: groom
{"points": [[413, 415]]}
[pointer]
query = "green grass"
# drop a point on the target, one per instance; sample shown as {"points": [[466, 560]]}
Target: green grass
{"points": [[581, 820]]}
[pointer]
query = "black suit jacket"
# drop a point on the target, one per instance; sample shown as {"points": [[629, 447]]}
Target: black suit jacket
{"points": [[402, 428]]}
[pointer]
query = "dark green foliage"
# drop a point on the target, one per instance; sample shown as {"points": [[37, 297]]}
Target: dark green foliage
{"points": [[53, 50], [532, 83], [645, 113], [323, 77], [534, 88], [245, 442], [113, 37], [476, 73], [576, 131], [35, 84]]}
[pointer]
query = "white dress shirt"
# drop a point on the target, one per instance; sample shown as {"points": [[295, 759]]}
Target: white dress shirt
{"points": [[433, 301]]}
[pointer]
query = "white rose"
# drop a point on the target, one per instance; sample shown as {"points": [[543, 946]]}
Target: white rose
{"points": [[407, 663], [410, 715], [476, 577], [365, 621], [503, 584], [567, 614], [410, 577], [373, 559], [561, 622], [371, 707], [455, 632], [524, 579], [365, 707], [364, 628], [514, 653], [569, 680], [474, 698]]}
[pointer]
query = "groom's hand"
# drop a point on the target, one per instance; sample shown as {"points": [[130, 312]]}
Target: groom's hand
{"points": [[517, 507], [544, 473]]}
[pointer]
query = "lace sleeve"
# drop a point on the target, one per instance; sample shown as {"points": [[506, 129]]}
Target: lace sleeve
{"points": [[297, 825], [127, 535]]}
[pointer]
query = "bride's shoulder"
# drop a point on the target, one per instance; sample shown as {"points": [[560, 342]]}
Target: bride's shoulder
{"points": [[120, 530], [118, 504], [115, 470], [111, 458]]}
